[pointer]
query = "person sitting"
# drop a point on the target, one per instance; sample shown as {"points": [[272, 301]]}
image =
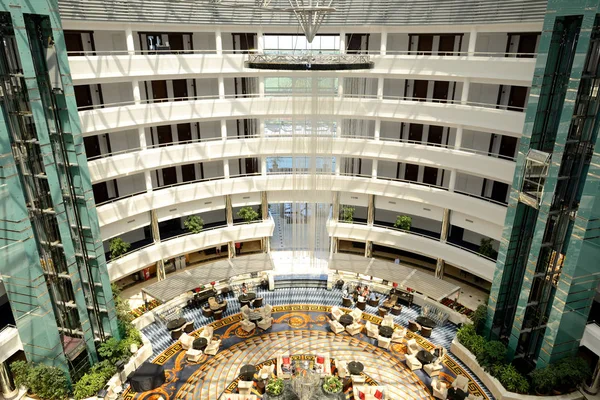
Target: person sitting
{"points": [[244, 288], [373, 296], [365, 292]]}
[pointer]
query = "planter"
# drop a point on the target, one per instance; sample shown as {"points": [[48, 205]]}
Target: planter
{"points": [[493, 385]]}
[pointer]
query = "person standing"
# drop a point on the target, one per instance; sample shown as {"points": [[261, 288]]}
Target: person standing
{"points": [[238, 248]]}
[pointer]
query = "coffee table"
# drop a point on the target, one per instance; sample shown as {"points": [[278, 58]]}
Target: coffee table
{"points": [[355, 367], [247, 297], [424, 321], [425, 357], [247, 372], [386, 331], [346, 320], [456, 394], [200, 343], [255, 316], [176, 324]]}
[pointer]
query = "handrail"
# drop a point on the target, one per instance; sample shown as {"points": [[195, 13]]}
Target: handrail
{"points": [[92, 53], [470, 251], [301, 95], [325, 173], [291, 135], [131, 251], [6, 327]]}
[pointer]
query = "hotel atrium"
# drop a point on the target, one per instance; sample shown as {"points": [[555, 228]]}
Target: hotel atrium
{"points": [[299, 199]]}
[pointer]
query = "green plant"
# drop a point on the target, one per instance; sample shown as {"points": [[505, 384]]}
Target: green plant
{"points": [[48, 382], [332, 384], [194, 223], [274, 386], [348, 213], [403, 222], [110, 350], [571, 372], [21, 371], [248, 214], [118, 247], [493, 352], [486, 248], [512, 380], [479, 316], [544, 380], [94, 380]]}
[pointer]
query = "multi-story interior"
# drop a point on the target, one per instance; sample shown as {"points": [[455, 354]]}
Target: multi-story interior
{"points": [[122, 121]]}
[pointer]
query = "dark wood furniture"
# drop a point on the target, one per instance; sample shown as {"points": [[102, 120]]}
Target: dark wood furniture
{"points": [[386, 331], [361, 305], [346, 302], [382, 311], [403, 296], [200, 343], [176, 324], [396, 310], [424, 321], [425, 357], [346, 320]]}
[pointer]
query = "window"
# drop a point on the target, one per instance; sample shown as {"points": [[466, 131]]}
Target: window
{"points": [[536, 171]]}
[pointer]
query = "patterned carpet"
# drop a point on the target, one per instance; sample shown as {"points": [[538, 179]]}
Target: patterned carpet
{"points": [[300, 328]]}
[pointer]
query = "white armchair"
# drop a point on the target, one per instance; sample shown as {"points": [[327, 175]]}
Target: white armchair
{"points": [[398, 335], [335, 326], [325, 362], [461, 382], [186, 340], [265, 323], [384, 342], [245, 312], [235, 396], [369, 392], [336, 313], [372, 330], [342, 368], [213, 347], [439, 389], [266, 371], [247, 326], [412, 363], [471, 396], [280, 373], [267, 311], [356, 314], [388, 320], [245, 387], [412, 347], [354, 328], [434, 368], [207, 332], [193, 355]]}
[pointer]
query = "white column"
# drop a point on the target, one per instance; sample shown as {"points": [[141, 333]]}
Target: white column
{"points": [[452, 183], [383, 45], [464, 96], [142, 137], [261, 86], [263, 166], [224, 129], [137, 96], [226, 168], [261, 128], [338, 166], [340, 86], [472, 41], [374, 169], [458, 137], [342, 42], [218, 42], [129, 40], [148, 179], [377, 133], [221, 87], [380, 88], [260, 46]]}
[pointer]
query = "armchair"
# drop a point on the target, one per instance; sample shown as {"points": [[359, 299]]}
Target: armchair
{"points": [[388, 320], [372, 330], [207, 332], [186, 341], [461, 382], [369, 392], [398, 335], [265, 323], [247, 326], [266, 371], [391, 302], [245, 387], [193, 355], [245, 312], [335, 326], [412, 347], [267, 311], [383, 342], [356, 314], [323, 360], [336, 313], [280, 369], [213, 347], [412, 362], [439, 389], [434, 368], [342, 368], [354, 329]]}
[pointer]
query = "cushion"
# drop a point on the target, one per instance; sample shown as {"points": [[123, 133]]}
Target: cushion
{"points": [[285, 360], [320, 360], [361, 395], [378, 394]]}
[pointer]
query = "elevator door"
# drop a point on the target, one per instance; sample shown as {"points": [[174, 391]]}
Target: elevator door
{"points": [[435, 134], [83, 97], [180, 89], [415, 132], [411, 172], [517, 98]]}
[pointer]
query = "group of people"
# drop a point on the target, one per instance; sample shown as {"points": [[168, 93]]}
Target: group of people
{"points": [[360, 293]]}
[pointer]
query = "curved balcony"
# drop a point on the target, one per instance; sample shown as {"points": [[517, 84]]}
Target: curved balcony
{"points": [[460, 257], [117, 216], [103, 67], [440, 157], [472, 116], [139, 259]]}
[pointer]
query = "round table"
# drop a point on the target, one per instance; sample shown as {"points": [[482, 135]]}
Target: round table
{"points": [[199, 344], [424, 321], [386, 331], [346, 320], [247, 372], [355, 367], [255, 316], [247, 297], [425, 357], [176, 324]]}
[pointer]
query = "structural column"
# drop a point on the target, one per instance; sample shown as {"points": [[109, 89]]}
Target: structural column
{"points": [[452, 183], [129, 40], [458, 138], [472, 41], [229, 217], [335, 213], [218, 42], [7, 385], [370, 220], [464, 97], [160, 265], [380, 88], [439, 266], [264, 204], [383, 44]]}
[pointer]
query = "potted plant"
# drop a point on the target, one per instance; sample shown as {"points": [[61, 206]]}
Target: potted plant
{"points": [[332, 385], [543, 380], [248, 214], [194, 223], [403, 222], [118, 247], [486, 248], [274, 387], [347, 213]]}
